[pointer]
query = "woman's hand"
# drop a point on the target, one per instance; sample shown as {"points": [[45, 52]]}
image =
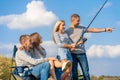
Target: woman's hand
{"points": [[109, 29], [73, 45], [73, 48]]}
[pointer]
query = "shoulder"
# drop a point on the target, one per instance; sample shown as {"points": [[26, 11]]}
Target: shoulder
{"points": [[65, 34], [56, 33], [81, 27], [42, 47], [67, 30], [19, 53]]}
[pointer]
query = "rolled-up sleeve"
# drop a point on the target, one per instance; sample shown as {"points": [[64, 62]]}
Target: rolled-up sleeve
{"points": [[58, 41]]}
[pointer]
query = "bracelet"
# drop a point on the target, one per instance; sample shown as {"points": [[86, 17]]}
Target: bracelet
{"points": [[105, 29]]}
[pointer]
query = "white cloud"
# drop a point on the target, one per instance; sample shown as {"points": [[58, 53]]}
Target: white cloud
{"points": [[36, 15], [104, 51], [7, 49], [50, 48]]}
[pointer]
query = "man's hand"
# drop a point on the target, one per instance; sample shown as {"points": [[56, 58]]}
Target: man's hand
{"points": [[109, 29], [81, 41], [76, 44]]}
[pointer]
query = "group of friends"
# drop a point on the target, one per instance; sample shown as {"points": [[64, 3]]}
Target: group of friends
{"points": [[71, 51]]}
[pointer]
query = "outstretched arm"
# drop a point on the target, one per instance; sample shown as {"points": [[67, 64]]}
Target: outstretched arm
{"points": [[97, 30]]}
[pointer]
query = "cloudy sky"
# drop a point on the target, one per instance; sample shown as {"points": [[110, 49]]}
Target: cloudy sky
{"points": [[28, 16]]}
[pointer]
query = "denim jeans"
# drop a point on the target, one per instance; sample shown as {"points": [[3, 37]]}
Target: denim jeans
{"points": [[58, 71], [64, 53], [82, 60], [41, 71]]}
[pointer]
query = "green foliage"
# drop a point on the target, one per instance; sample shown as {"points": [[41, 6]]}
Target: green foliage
{"points": [[80, 77]]}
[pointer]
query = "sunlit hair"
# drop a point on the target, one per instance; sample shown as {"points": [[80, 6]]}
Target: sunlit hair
{"points": [[23, 38], [36, 40], [74, 16], [56, 28]]}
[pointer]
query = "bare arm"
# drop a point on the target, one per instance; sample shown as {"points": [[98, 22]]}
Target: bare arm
{"points": [[97, 30]]}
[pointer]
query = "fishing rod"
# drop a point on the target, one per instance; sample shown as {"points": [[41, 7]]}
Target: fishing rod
{"points": [[92, 21]]}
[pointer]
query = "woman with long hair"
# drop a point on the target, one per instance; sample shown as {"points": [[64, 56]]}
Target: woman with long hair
{"points": [[62, 41]]}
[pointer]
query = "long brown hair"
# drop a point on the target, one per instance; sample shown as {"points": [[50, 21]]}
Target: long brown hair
{"points": [[36, 40]]}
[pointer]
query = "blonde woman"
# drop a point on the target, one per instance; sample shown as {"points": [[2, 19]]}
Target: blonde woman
{"points": [[62, 41]]}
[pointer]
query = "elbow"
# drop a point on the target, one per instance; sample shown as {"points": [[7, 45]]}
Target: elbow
{"points": [[60, 45]]}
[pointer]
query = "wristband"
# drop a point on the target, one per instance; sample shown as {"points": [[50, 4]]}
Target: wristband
{"points": [[105, 29]]}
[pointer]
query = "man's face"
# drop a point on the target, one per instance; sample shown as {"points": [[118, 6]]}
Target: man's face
{"points": [[28, 43], [76, 21]]}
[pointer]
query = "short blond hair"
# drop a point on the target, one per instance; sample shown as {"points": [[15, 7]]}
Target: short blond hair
{"points": [[74, 16], [23, 38]]}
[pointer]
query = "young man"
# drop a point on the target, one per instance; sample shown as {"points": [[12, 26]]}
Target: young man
{"points": [[39, 67], [79, 54]]}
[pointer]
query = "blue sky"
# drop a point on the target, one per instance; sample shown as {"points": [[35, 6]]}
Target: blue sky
{"points": [[19, 17]]}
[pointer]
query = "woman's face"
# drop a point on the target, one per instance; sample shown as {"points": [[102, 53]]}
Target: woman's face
{"points": [[62, 26], [36, 41]]}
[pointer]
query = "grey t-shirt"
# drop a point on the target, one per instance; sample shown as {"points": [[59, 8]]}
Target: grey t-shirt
{"points": [[74, 35]]}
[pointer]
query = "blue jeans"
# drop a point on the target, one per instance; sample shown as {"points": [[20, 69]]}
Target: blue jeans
{"points": [[58, 71], [64, 53], [82, 60], [41, 71]]}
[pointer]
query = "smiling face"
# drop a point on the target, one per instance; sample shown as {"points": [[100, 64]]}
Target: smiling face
{"points": [[28, 43], [62, 26], [25, 41], [76, 21], [36, 39]]}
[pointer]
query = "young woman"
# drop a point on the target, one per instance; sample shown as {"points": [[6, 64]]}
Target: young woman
{"points": [[39, 51], [63, 43]]}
